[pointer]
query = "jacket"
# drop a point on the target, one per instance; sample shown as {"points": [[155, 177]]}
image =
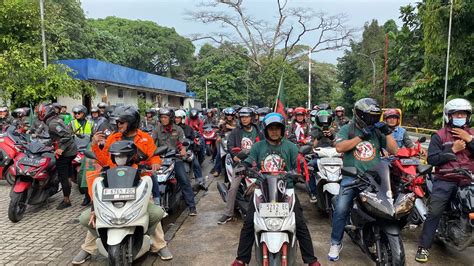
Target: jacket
{"points": [[61, 136]]}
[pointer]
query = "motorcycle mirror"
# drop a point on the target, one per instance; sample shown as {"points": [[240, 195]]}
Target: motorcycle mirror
{"points": [[422, 139], [187, 142], [160, 150], [450, 156], [349, 171], [306, 149], [90, 154]]}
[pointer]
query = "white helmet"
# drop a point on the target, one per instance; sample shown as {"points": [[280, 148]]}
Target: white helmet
{"points": [[180, 113], [456, 105]]}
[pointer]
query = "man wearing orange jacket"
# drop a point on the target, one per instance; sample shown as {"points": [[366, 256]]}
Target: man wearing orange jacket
{"points": [[128, 121]]}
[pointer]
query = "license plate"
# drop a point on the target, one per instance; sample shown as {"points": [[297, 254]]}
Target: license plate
{"points": [[30, 161], [410, 161], [113, 194], [274, 209], [332, 161]]}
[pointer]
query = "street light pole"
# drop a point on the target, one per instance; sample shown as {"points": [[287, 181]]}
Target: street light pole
{"points": [[206, 95], [447, 55], [372, 60], [309, 79], [43, 37]]}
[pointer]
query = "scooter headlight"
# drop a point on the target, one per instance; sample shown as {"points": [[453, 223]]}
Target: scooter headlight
{"points": [[274, 224]]}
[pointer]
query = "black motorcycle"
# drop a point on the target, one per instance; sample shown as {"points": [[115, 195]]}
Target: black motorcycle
{"points": [[377, 216], [456, 225]]}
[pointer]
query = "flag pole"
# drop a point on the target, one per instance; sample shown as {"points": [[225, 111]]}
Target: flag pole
{"points": [[278, 93]]}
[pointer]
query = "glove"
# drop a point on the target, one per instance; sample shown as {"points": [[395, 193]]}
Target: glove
{"points": [[383, 127], [366, 133], [241, 169]]}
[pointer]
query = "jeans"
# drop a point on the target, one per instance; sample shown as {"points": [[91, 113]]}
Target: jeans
{"points": [[197, 170], [443, 192], [183, 181], [232, 195], [155, 190], [342, 210], [311, 185], [247, 235], [218, 165]]}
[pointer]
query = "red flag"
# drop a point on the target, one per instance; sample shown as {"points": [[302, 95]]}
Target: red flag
{"points": [[280, 100]]}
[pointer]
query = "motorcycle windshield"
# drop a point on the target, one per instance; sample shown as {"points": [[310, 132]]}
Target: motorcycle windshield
{"points": [[121, 177], [82, 142], [272, 187], [378, 197], [38, 147]]}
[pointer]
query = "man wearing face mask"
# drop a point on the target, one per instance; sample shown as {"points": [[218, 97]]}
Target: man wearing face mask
{"points": [[243, 137], [456, 137]]}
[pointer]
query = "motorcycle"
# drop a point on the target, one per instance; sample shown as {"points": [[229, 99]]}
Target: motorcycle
{"points": [[35, 176], [457, 223], [223, 152], [10, 147], [377, 217], [242, 200], [210, 137], [329, 177], [121, 197]]}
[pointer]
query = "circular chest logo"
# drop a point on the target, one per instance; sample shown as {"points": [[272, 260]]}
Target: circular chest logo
{"points": [[246, 144], [121, 173], [364, 151], [273, 163]]}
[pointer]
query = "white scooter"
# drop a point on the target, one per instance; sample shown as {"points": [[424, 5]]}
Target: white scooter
{"points": [[121, 196], [329, 177]]}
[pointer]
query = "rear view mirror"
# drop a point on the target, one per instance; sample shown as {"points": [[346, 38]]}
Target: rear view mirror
{"points": [[90, 154], [187, 142], [422, 139], [306, 149], [160, 150], [349, 171]]}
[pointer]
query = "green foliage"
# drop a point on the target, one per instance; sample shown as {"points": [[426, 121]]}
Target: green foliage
{"points": [[143, 105]]}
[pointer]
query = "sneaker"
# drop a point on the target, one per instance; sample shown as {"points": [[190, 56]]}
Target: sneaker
{"points": [[237, 263], [81, 257], [215, 173], [63, 205], [165, 254], [224, 219], [422, 254], [202, 186], [313, 198], [192, 212], [157, 201], [334, 251], [86, 201]]}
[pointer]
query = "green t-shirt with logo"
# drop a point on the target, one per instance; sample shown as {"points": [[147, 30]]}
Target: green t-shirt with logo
{"points": [[248, 139], [366, 154], [274, 157]]}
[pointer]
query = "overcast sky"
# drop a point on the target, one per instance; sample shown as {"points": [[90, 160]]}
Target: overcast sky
{"points": [[171, 13]]}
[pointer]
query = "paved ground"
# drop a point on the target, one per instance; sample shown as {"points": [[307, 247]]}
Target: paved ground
{"points": [[47, 236]]}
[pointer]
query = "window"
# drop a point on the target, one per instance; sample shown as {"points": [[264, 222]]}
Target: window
{"points": [[120, 93]]}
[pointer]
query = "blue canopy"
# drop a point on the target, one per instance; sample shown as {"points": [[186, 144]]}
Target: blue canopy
{"points": [[92, 69]]}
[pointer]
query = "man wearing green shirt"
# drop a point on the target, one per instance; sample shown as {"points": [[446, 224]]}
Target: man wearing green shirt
{"points": [[361, 142], [66, 117], [274, 154]]}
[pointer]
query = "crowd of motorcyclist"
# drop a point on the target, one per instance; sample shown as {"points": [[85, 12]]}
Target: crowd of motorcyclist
{"points": [[372, 134]]}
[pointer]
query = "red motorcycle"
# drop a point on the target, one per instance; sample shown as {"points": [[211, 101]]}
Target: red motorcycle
{"points": [[210, 137], [34, 170], [10, 147], [407, 166]]}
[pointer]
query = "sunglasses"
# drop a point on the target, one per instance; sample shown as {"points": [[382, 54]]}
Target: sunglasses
{"points": [[76, 113], [120, 122]]}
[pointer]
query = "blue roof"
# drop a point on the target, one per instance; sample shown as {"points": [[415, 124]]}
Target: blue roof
{"points": [[92, 69]]}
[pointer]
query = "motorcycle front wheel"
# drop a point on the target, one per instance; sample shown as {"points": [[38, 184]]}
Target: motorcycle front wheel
{"points": [[118, 254], [7, 176], [393, 252], [17, 206]]}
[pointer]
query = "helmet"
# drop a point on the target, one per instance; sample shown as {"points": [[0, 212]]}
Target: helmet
{"points": [[45, 111], [312, 115], [193, 113], [19, 112], [237, 107], [109, 110], [316, 107], [367, 112], [456, 105], [101, 105], [274, 118], [127, 114], [289, 111], [3, 109], [180, 113], [229, 111], [166, 111], [246, 111], [123, 152], [391, 113], [323, 118], [94, 110], [324, 106], [299, 111], [79, 109], [339, 109], [263, 111]]}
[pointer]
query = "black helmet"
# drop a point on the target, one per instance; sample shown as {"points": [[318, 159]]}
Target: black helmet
{"points": [[246, 111], [324, 106], [19, 112], [263, 111], [109, 110], [323, 118], [274, 118], [79, 109], [123, 152], [229, 111], [237, 107], [45, 111], [367, 112], [166, 111], [127, 114], [101, 105], [94, 110], [193, 113], [151, 111]]}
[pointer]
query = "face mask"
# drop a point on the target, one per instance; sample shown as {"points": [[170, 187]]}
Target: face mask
{"points": [[459, 122], [120, 160]]}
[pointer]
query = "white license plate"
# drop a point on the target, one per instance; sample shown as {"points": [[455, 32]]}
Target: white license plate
{"points": [[411, 161], [332, 161], [114, 194], [274, 209]]}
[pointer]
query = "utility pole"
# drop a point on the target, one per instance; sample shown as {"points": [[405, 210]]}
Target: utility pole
{"points": [[385, 74], [309, 79], [374, 70], [206, 95], [43, 37], [447, 55]]}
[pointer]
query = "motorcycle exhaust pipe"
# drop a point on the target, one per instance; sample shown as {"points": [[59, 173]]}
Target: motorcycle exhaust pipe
{"points": [[222, 188], [421, 209]]}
